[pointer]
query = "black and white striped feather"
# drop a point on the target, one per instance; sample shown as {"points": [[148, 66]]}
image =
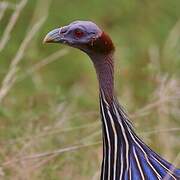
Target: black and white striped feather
{"points": [[125, 155]]}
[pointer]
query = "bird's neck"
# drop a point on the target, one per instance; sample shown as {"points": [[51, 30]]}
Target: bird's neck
{"points": [[104, 66]]}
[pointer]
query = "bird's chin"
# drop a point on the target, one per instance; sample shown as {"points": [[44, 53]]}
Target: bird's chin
{"points": [[63, 41], [66, 42]]}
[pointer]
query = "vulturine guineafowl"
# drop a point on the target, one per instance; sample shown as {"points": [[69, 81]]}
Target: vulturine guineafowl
{"points": [[125, 155]]}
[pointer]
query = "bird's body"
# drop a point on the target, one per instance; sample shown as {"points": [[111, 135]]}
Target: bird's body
{"points": [[125, 155]]}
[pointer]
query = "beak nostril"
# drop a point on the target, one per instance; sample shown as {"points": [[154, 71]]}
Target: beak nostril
{"points": [[63, 31]]}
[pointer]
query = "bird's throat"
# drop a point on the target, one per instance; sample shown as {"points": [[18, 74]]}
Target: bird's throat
{"points": [[104, 66]]}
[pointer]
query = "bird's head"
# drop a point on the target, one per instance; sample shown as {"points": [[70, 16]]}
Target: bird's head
{"points": [[84, 35]]}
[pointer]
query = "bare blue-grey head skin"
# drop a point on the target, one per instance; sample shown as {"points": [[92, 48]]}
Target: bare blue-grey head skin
{"points": [[88, 31], [84, 35]]}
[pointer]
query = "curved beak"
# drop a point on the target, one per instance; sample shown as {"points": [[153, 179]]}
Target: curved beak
{"points": [[53, 36]]}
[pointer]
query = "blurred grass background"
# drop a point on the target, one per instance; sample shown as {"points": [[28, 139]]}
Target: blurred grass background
{"points": [[51, 98]]}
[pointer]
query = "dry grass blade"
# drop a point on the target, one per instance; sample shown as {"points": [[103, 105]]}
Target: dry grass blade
{"points": [[170, 90], [167, 88], [10, 5], [51, 58], [48, 60], [173, 169], [31, 141], [172, 42], [154, 131], [96, 175], [9, 79], [45, 154], [3, 7], [1, 172], [11, 24]]}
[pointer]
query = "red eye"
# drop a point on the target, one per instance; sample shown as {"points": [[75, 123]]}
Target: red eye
{"points": [[78, 33]]}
